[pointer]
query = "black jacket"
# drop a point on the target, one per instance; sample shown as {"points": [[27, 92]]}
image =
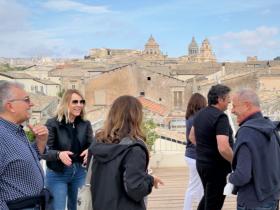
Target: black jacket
{"points": [[60, 140], [119, 176]]}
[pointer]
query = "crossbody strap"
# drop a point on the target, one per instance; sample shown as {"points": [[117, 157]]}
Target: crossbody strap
{"points": [[89, 172]]}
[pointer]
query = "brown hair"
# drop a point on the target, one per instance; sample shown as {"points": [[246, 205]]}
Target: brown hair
{"points": [[124, 120], [196, 102], [62, 108]]}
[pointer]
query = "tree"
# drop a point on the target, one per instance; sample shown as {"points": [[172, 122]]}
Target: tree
{"points": [[277, 58], [30, 135], [148, 127], [60, 93]]}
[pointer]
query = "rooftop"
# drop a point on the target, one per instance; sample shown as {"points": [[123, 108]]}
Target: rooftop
{"points": [[16, 75], [153, 106], [171, 195]]}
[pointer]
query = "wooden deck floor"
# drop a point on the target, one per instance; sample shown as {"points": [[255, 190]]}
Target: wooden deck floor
{"points": [[171, 195]]}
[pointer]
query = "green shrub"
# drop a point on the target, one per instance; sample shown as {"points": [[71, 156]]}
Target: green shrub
{"points": [[30, 135], [148, 127]]}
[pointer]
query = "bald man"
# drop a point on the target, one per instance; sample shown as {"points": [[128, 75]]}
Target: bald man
{"points": [[256, 167]]}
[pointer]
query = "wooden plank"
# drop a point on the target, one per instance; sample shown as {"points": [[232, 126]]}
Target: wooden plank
{"points": [[171, 195]]}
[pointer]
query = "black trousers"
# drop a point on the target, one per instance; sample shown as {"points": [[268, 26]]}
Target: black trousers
{"points": [[213, 181]]}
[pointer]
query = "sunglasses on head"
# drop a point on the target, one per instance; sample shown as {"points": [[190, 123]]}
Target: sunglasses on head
{"points": [[26, 99], [78, 101]]}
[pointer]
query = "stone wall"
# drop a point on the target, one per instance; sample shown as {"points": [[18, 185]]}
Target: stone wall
{"points": [[106, 87]]}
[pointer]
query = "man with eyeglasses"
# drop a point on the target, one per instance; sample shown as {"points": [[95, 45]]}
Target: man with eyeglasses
{"points": [[21, 175]]}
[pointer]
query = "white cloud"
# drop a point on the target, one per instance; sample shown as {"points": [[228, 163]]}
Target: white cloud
{"points": [[262, 42], [19, 39], [65, 5]]}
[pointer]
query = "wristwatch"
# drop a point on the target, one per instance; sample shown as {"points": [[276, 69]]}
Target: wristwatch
{"points": [[57, 155]]}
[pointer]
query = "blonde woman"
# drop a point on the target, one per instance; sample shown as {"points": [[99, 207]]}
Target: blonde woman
{"points": [[119, 173], [69, 138]]}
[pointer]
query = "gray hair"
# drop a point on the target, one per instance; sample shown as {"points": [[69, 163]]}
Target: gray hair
{"points": [[6, 93], [247, 94]]}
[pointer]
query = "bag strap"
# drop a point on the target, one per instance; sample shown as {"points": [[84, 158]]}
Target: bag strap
{"points": [[89, 172]]}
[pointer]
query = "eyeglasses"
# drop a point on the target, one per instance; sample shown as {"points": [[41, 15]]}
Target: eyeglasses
{"points": [[78, 101], [26, 99]]}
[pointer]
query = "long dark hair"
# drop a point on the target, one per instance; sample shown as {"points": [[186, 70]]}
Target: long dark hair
{"points": [[196, 102], [124, 120]]}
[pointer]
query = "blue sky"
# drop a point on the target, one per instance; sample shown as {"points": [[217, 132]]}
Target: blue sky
{"points": [[69, 28]]}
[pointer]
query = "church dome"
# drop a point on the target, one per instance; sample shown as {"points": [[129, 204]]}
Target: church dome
{"points": [[152, 42], [193, 47]]}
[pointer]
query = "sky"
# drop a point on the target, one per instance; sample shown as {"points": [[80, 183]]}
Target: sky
{"points": [[70, 28]]}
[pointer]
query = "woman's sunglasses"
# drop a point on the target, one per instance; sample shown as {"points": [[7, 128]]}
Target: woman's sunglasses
{"points": [[78, 101]]}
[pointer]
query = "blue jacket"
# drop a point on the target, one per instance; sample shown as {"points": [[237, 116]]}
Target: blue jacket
{"points": [[259, 136]]}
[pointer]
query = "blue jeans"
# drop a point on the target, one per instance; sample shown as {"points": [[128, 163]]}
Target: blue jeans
{"points": [[65, 185], [271, 205]]}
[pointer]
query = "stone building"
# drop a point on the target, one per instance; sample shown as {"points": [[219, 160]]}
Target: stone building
{"points": [[152, 47], [206, 54], [199, 55], [152, 53], [43, 109], [193, 48], [130, 79], [105, 53], [32, 84]]}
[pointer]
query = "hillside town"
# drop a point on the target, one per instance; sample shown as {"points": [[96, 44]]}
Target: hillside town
{"points": [[162, 84]]}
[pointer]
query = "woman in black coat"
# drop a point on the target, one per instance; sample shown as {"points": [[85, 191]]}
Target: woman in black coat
{"points": [[69, 138]]}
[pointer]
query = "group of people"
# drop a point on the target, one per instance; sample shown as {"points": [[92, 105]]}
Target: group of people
{"points": [[120, 158], [250, 164]]}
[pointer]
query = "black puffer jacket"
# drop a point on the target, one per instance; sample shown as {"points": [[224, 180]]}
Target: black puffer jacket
{"points": [[119, 175]]}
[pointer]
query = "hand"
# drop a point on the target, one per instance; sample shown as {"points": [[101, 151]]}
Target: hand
{"points": [[157, 182], [85, 155], [64, 157], [41, 136], [40, 131]]}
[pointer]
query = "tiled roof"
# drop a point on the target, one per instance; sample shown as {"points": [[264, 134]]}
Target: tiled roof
{"points": [[153, 106], [69, 72], [16, 75], [41, 101], [46, 82]]}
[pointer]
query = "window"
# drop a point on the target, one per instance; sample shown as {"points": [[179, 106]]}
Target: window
{"points": [[73, 86], [142, 93], [178, 99], [148, 78]]}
